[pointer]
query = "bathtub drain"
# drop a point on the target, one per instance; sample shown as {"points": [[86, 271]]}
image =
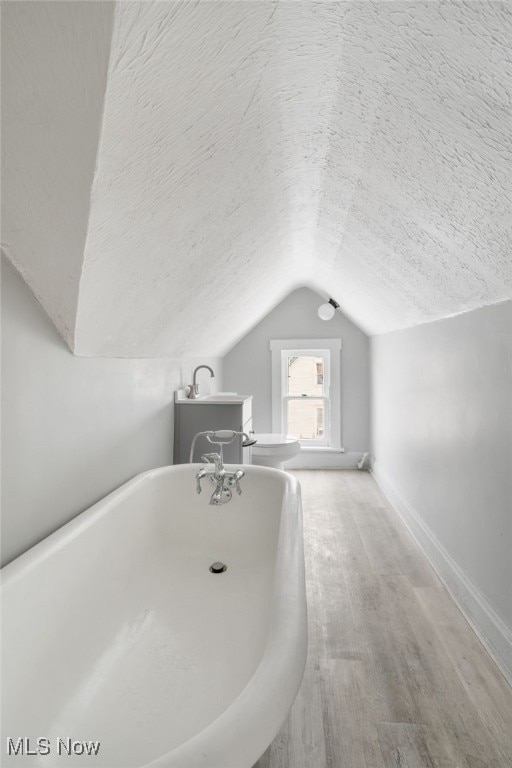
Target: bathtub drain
{"points": [[218, 568]]}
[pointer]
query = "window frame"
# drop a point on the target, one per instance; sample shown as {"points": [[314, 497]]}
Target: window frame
{"points": [[330, 351], [325, 397]]}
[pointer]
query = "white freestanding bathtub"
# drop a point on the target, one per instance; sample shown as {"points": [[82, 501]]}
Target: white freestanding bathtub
{"points": [[115, 630]]}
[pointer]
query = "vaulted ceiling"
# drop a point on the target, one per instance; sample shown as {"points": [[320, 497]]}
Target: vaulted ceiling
{"points": [[172, 170]]}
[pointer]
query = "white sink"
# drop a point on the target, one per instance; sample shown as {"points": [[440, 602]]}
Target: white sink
{"points": [[219, 397]]}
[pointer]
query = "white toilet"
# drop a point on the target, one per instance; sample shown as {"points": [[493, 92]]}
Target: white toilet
{"points": [[272, 450]]}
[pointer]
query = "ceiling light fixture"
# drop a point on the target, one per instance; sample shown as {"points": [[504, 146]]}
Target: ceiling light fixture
{"points": [[326, 311]]}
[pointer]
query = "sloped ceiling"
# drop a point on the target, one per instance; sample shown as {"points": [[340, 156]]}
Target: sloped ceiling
{"points": [[55, 60], [360, 148]]}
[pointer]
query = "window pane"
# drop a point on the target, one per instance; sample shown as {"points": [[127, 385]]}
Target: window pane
{"points": [[306, 419], [305, 375]]}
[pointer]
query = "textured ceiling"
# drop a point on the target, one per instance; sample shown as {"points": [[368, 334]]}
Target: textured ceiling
{"points": [[361, 148]]}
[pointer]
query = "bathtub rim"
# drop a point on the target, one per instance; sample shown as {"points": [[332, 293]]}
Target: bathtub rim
{"points": [[83, 520]]}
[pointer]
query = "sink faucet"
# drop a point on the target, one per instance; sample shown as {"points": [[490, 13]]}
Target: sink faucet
{"points": [[194, 387]]}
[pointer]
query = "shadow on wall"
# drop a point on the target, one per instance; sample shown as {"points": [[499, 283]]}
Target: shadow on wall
{"points": [[73, 428]]}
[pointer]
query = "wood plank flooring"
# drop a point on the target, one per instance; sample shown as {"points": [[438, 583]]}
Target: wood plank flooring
{"points": [[395, 676]]}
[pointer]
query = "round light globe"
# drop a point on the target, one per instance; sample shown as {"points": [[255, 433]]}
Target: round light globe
{"points": [[326, 311]]}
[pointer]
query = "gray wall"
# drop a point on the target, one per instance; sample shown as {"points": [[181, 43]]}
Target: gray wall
{"points": [[247, 367], [73, 428], [442, 444]]}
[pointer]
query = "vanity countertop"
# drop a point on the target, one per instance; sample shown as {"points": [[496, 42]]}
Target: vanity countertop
{"points": [[221, 398]]}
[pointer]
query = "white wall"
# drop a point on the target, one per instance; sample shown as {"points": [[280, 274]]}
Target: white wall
{"points": [[73, 428], [247, 369], [442, 444]]}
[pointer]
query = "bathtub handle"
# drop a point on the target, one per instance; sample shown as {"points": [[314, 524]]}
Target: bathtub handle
{"points": [[235, 480], [199, 477]]}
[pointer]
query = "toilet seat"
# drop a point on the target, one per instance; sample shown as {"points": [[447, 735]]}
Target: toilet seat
{"points": [[273, 449], [271, 440]]}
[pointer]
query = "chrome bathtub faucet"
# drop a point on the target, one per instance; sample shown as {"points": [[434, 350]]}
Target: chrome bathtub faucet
{"points": [[223, 481]]}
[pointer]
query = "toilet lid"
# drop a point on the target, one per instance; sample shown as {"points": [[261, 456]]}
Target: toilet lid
{"points": [[268, 440]]}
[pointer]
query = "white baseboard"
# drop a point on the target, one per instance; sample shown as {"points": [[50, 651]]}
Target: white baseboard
{"points": [[491, 630], [324, 460]]}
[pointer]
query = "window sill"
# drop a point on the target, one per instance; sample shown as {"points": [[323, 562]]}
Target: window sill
{"points": [[320, 449]]}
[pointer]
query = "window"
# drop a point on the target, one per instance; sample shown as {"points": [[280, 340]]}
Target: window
{"points": [[306, 391], [305, 395]]}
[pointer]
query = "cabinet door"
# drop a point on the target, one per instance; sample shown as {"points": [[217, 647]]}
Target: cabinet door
{"points": [[246, 452], [247, 412], [194, 418], [247, 427]]}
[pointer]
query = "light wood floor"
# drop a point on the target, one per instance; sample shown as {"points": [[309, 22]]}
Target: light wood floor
{"points": [[395, 677]]}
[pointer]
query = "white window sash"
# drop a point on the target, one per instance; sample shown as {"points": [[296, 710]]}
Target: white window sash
{"points": [[326, 440], [329, 349], [323, 353]]}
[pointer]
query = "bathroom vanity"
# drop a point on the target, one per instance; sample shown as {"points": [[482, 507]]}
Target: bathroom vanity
{"points": [[215, 412]]}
